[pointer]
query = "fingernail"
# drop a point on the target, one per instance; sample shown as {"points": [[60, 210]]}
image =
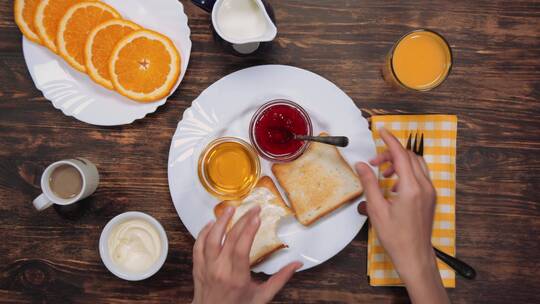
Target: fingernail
{"points": [[229, 210], [359, 167], [255, 220], [256, 209]]}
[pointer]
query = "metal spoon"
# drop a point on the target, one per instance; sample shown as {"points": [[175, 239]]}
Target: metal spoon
{"points": [[283, 135], [340, 141]]}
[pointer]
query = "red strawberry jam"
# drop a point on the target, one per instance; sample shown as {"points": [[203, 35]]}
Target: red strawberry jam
{"points": [[273, 128]]}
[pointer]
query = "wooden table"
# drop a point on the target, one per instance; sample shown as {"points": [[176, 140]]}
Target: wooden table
{"points": [[494, 89]]}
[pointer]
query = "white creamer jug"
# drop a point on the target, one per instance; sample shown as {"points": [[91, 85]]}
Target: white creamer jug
{"points": [[242, 23]]}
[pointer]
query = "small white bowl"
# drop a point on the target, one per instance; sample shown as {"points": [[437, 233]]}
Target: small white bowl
{"points": [[104, 246]]}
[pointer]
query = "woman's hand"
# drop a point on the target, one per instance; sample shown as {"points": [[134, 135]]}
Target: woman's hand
{"points": [[404, 222], [221, 272]]}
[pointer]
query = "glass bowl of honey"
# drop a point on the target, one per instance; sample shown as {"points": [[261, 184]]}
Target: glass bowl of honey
{"points": [[229, 168]]}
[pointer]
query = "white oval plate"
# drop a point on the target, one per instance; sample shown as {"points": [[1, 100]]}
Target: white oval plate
{"points": [[225, 108], [77, 95]]}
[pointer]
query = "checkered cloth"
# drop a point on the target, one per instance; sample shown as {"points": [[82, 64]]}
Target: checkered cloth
{"points": [[440, 154]]}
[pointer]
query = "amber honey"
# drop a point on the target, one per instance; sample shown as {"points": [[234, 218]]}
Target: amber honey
{"points": [[420, 60], [229, 168]]}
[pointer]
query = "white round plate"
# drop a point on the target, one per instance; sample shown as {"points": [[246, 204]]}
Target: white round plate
{"points": [[77, 95], [225, 108]]}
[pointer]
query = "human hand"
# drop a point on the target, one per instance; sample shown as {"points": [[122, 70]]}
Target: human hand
{"points": [[404, 222], [221, 272]]}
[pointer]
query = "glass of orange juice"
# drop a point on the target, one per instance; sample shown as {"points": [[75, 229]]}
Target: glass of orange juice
{"points": [[420, 60]]}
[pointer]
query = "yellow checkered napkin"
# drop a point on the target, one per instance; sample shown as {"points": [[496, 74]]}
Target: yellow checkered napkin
{"points": [[440, 154]]}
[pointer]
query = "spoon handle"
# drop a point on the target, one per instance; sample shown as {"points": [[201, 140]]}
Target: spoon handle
{"points": [[459, 266], [340, 141]]}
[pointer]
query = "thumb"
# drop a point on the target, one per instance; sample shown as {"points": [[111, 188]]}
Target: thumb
{"points": [[375, 198], [271, 287]]}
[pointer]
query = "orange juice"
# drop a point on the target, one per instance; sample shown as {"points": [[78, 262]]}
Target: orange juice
{"points": [[421, 60], [229, 168]]}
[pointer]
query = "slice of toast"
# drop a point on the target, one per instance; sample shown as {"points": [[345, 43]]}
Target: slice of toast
{"points": [[273, 208], [318, 182]]}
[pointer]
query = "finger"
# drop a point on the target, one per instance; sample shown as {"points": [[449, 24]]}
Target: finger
{"points": [[271, 287], [370, 183], [198, 248], [417, 168], [400, 159], [426, 178], [244, 242], [389, 172], [424, 166], [362, 208], [381, 158], [198, 258], [237, 230], [212, 246]]}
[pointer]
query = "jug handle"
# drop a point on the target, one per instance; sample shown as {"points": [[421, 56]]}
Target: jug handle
{"points": [[206, 5]]}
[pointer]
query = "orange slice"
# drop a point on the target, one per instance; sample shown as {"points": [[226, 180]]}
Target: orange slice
{"points": [[75, 26], [48, 15], [25, 12], [144, 66], [99, 46]]}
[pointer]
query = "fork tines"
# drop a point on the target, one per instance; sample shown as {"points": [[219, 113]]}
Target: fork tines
{"points": [[416, 146]]}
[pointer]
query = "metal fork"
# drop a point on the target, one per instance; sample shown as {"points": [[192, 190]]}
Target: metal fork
{"points": [[459, 266]]}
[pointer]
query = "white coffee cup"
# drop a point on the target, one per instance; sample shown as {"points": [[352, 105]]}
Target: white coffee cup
{"points": [[90, 181]]}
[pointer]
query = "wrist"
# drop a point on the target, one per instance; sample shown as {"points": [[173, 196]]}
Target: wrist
{"points": [[422, 265], [422, 279]]}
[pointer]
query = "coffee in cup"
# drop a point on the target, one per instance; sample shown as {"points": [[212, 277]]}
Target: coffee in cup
{"points": [[66, 182]]}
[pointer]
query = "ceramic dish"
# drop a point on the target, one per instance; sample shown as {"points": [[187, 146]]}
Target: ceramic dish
{"points": [[104, 247], [75, 94], [225, 109]]}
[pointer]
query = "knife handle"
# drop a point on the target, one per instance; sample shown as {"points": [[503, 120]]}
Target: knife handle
{"points": [[459, 266]]}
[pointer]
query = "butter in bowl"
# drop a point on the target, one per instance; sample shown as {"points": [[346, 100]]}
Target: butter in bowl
{"points": [[133, 246]]}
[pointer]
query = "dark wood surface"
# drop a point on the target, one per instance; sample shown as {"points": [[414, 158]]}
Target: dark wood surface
{"points": [[494, 89]]}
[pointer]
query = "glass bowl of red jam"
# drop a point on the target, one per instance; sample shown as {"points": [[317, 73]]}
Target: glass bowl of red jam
{"points": [[273, 127]]}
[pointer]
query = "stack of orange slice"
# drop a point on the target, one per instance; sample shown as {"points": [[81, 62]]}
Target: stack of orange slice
{"points": [[91, 36]]}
